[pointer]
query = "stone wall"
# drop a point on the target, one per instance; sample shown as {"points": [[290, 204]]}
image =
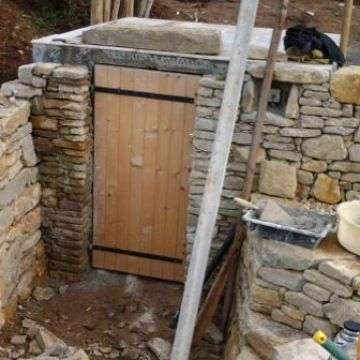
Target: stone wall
{"points": [[22, 255], [294, 290], [61, 118], [310, 147]]}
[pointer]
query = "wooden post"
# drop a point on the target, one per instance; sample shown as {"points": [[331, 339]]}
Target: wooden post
{"points": [[214, 181], [264, 97], [148, 8], [115, 10], [107, 10], [129, 8], [97, 11], [346, 26]]}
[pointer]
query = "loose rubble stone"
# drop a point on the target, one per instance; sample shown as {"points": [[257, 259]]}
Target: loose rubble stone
{"points": [[325, 147], [316, 292], [48, 341], [43, 293], [278, 179], [326, 189], [344, 85], [18, 340], [304, 303], [213, 335], [325, 282], [160, 348], [290, 279]]}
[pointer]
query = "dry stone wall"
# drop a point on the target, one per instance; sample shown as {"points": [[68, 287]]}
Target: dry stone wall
{"points": [[310, 147], [22, 254], [304, 289], [61, 118]]}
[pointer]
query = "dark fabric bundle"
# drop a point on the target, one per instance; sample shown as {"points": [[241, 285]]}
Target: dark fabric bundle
{"points": [[308, 39]]}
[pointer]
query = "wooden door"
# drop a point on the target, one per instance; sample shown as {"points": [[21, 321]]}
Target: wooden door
{"points": [[142, 156]]}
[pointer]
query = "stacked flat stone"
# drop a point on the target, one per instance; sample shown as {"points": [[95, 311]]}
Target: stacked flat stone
{"points": [[310, 148], [22, 251], [305, 289], [61, 117]]}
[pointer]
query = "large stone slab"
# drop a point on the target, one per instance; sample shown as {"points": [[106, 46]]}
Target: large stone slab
{"points": [[278, 179], [292, 72], [305, 349], [304, 303], [325, 147], [164, 37], [345, 85], [285, 256]]}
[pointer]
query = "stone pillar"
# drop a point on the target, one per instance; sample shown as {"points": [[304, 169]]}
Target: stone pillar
{"points": [[61, 118]]}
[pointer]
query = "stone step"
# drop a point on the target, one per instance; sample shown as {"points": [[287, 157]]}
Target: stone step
{"points": [[269, 340]]}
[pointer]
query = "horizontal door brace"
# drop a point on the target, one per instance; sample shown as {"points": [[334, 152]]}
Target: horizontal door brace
{"points": [[137, 254], [143, 94]]}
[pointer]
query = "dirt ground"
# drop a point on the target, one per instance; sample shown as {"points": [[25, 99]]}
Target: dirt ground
{"points": [[107, 311]]}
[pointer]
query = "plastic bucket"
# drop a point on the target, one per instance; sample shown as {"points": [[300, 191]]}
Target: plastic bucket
{"points": [[349, 226]]}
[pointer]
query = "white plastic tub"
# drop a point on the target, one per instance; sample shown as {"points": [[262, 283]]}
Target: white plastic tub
{"points": [[349, 226]]}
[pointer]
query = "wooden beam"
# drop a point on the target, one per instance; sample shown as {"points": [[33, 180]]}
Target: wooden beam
{"points": [[260, 117], [97, 11], [213, 298], [107, 10], [215, 181], [346, 26], [115, 10], [148, 8], [128, 8], [264, 97]]}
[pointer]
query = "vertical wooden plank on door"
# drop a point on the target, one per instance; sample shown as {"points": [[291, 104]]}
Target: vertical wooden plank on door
{"points": [[151, 130], [99, 222], [174, 175], [162, 159], [124, 155], [111, 170], [137, 167], [192, 84]]}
